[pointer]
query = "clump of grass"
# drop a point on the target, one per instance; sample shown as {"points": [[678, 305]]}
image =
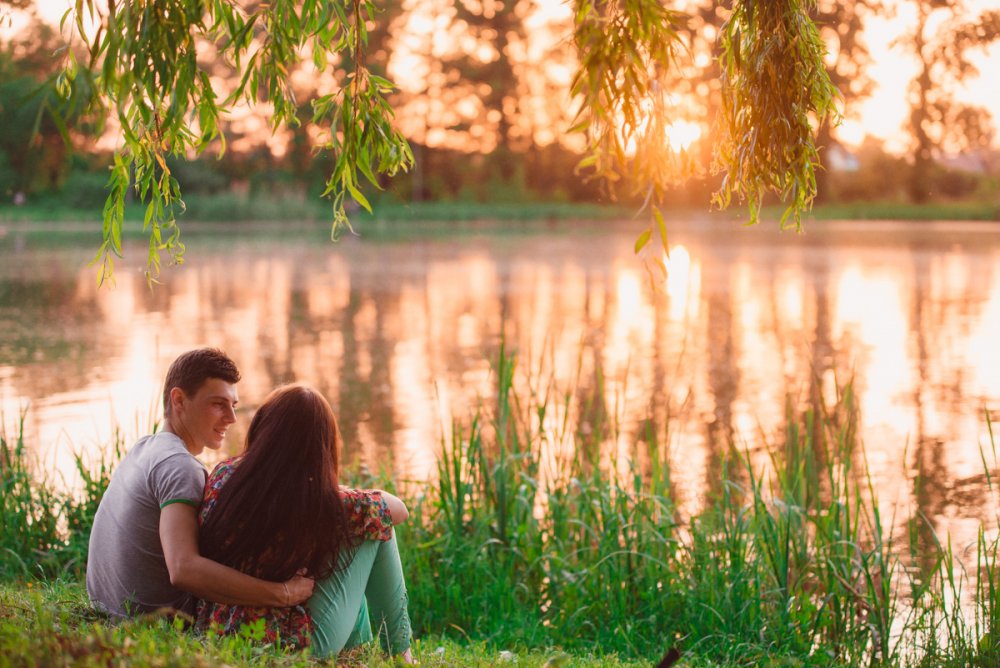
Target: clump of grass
{"points": [[51, 623], [789, 562], [514, 550], [45, 533], [29, 516]]}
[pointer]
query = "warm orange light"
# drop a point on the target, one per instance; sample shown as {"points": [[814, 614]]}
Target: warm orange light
{"points": [[426, 33], [682, 134], [681, 278], [851, 132]]}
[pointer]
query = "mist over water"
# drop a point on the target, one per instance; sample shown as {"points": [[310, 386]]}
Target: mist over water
{"points": [[400, 336]]}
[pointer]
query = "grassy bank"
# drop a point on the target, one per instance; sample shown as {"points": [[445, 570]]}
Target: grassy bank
{"points": [[225, 208], [51, 623], [974, 210], [233, 208], [514, 548]]}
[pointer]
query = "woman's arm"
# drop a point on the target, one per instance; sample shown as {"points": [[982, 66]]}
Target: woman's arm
{"points": [[397, 509]]}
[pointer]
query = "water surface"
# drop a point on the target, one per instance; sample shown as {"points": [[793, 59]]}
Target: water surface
{"points": [[400, 336]]}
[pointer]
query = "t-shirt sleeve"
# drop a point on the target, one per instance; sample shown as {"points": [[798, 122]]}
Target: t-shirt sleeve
{"points": [[177, 479], [367, 513]]}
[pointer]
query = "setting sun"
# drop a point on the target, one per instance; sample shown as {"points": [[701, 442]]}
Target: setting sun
{"points": [[682, 134]]}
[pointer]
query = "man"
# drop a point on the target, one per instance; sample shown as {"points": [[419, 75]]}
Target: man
{"points": [[144, 544]]}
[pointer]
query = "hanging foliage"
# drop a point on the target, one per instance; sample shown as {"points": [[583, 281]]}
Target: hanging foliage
{"points": [[775, 91], [775, 88], [147, 62], [144, 61], [626, 49]]}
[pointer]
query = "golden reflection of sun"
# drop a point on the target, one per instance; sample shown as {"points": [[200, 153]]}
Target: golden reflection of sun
{"points": [[872, 308], [981, 350], [791, 302], [683, 279], [629, 297]]}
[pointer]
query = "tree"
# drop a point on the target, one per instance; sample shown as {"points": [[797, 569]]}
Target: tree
{"points": [[938, 121], [493, 25], [487, 83], [146, 63], [35, 124], [841, 25]]}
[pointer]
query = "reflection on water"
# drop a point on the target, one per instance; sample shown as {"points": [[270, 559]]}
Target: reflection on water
{"points": [[400, 336]]}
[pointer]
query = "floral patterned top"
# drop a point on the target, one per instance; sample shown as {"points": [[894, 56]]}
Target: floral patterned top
{"points": [[369, 517]]}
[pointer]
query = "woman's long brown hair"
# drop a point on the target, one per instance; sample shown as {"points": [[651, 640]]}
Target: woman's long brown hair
{"points": [[280, 510]]}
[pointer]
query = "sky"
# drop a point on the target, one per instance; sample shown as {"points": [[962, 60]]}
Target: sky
{"points": [[883, 114]]}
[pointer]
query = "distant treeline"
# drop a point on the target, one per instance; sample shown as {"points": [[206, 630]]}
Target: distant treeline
{"points": [[509, 116], [546, 174]]}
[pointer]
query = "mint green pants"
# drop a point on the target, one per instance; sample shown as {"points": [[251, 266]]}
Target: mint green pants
{"points": [[370, 588]]}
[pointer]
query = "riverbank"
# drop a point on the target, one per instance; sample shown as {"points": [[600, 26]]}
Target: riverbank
{"points": [[239, 209], [51, 623], [509, 549], [466, 224]]}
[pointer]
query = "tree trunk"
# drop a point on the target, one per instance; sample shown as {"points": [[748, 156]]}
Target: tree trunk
{"points": [[923, 158]]}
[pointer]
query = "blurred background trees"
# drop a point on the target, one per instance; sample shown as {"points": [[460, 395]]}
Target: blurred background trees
{"points": [[37, 125], [483, 99], [939, 124]]}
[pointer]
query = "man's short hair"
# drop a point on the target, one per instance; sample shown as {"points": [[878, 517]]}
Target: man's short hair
{"points": [[190, 371]]}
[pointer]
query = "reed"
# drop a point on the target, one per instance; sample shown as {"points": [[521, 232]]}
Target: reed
{"points": [[793, 560], [43, 532]]}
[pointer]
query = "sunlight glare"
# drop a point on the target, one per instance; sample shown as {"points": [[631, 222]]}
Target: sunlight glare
{"points": [[626, 327], [871, 308], [682, 134], [851, 132], [791, 302], [682, 279], [629, 300]]}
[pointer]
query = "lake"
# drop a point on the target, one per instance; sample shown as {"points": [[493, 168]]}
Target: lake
{"points": [[400, 336]]}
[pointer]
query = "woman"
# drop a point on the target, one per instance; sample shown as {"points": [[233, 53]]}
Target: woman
{"points": [[277, 510]]}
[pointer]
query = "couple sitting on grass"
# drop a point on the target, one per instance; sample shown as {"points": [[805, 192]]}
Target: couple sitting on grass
{"points": [[270, 536]]}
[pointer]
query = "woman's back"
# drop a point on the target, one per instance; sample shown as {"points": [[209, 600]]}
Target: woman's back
{"points": [[368, 519], [281, 510], [277, 509]]}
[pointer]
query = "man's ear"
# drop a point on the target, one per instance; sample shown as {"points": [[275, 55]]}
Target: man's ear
{"points": [[177, 399]]}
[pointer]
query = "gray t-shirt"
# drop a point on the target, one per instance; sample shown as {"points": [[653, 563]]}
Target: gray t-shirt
{"points": [[126, 570]]}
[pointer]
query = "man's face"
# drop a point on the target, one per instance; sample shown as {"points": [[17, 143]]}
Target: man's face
{"points": [[202, 420]]}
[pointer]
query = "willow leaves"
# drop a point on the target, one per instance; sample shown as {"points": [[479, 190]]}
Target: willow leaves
{"points": [[147, 60], [775, 91], [150, 63]]}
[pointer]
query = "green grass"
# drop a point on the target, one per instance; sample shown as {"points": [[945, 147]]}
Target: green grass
{"points": [[230, 208], [942, 211], [44, 534], [222, 216], [500, 211], [788, 564], [233, 208], [51, 623]]}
